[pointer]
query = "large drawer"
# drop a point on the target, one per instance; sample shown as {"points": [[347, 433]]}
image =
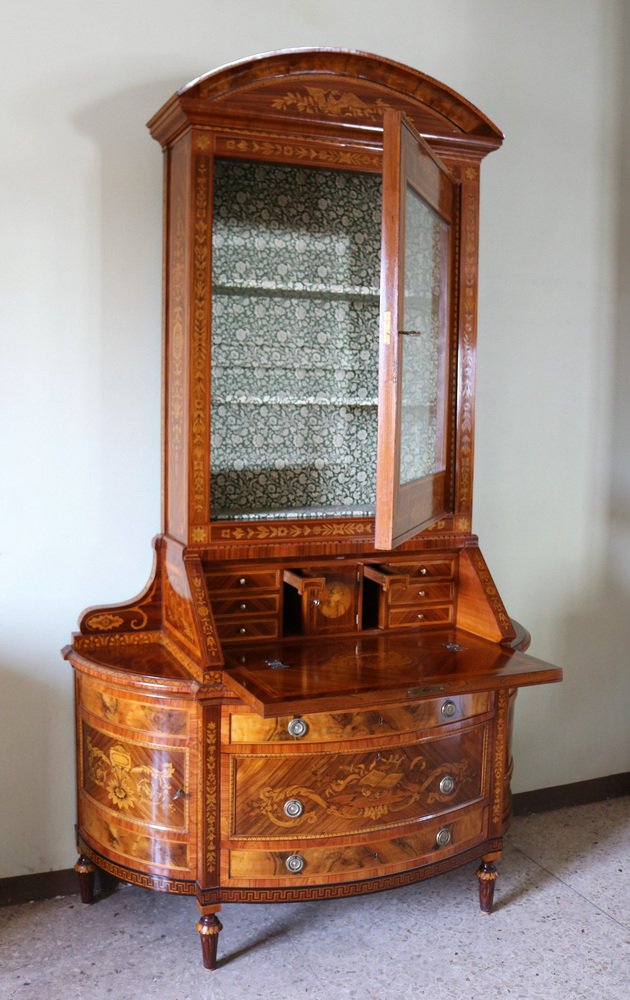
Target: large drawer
{"points": [[430, 843], [327, 794], [241, 727]]}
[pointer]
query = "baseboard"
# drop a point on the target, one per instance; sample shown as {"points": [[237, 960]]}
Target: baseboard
{"points": [[46, 885], [577, 794], [43, 885]]}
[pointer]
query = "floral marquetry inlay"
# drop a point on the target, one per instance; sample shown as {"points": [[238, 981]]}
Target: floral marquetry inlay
{"points": [[337, 103], [129, 784]]}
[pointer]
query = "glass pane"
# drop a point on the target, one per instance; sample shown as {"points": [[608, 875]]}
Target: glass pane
{"points": [[423, 342], [296, 271]]}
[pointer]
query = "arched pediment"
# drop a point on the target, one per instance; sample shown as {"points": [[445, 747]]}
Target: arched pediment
{"points": [[330, 87]]}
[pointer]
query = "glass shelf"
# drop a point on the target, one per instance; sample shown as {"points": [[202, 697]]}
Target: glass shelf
{"points": [[235, 400], [275, 291]]}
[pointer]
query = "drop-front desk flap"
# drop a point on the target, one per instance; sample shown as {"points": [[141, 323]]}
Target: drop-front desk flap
{"points": [[298, 676]]}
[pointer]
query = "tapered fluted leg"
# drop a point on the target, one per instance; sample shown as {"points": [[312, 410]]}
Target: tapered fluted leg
{"points": [[209, 927], [85, 870], [487, 875]]}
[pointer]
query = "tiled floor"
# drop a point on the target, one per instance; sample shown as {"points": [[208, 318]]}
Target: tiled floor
{"points": [[560, 929]]}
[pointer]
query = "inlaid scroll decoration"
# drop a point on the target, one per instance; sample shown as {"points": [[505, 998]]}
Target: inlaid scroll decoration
{"points": [[337, 103], [133, 617], [376, 790], [200, 358], [211, 795], [128, 784]]}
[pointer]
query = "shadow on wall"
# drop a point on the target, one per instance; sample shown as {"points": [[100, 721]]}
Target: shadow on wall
{"points": [[600, 632], [126, 318]]}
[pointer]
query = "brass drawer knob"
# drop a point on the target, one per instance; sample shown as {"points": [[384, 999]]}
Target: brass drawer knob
{"points": [[443, 837], [294, 863], [447, 784], [449, 708], [293, 808], [297, 727]]}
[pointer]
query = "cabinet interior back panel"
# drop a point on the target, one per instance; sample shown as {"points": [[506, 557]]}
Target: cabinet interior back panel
{"points": [[296, 273]]}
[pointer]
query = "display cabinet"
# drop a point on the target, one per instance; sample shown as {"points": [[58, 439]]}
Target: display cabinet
{"points": [[313, 696]]}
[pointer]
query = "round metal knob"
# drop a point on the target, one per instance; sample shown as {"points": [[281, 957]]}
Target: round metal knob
{"points": [[243, 630], [243, 581], [297, 727], [423, 571], [243, 606], [447, 784], [449, 708], [422, 593], [443, 837], [295, 863], [420, 616], [316, 602], [293, 808]]}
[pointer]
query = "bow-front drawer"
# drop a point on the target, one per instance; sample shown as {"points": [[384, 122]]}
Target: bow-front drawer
{"points": [[243, 726], [326, 794], [295, 865]]}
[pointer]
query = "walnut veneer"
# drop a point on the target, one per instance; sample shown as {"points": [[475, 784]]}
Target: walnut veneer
{"points": [[313, 697]]}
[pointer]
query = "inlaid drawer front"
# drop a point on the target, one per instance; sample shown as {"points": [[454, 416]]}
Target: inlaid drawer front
{"points": [[243, 580], [423, 569], [399, 617], [335, 863], [135, 781], [419, 593], [151, 716], [317, 795], [246, 605], [332, 726], [247, 628]]}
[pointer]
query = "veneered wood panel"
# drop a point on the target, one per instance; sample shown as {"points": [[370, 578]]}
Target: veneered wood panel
{"points": [[346, 793]]}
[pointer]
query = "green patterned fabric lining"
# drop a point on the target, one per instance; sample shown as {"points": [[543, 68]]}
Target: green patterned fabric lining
{"points": [[296, 270]]}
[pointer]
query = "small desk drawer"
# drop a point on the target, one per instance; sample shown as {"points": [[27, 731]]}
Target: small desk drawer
{"points": [[244, 629], [426, 569], [420, 593], [242, 580], [246, 605], [398, 617]]}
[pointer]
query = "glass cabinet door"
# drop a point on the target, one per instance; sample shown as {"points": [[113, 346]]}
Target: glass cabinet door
{"points": [[413, 481]]}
